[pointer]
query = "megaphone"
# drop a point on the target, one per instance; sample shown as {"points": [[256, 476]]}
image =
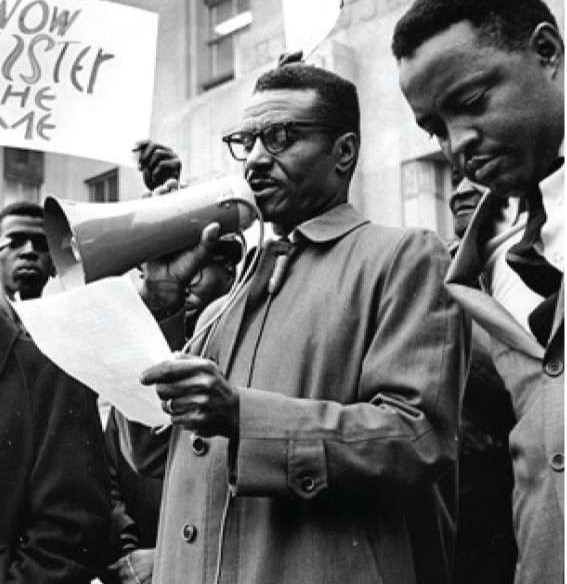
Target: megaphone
{"points": [[89, 241]]}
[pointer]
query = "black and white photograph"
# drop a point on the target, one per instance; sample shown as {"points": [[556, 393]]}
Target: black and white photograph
{"points": [[282, 292]]}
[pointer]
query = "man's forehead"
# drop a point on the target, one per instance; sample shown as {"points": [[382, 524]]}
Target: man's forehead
{"points": [[441, 58], [21, 224], [277, 105]]}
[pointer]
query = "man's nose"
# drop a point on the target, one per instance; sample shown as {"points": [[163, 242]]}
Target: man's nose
{"points": [[461, 137], [28, 247], [258, 155]]}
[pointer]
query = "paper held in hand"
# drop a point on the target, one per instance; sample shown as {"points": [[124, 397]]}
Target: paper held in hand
{"points": [[103, 335]]}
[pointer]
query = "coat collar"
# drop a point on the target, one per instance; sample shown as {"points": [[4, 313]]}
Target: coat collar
{"points": [[461, 282], [332, 225]]}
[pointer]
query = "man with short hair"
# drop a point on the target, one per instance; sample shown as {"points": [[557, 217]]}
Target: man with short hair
{"points": [[313, 425], [25, 263], [486, 78]]}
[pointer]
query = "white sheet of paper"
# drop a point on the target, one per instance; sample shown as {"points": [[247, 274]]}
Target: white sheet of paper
{"points": [[308, 22], [103, 335]]}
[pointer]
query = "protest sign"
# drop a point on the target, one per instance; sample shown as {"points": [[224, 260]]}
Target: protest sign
{"points": [[76, 76], [308, 22]]}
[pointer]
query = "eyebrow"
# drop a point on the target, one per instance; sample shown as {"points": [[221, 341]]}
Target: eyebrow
{"points": [[463, 85]]}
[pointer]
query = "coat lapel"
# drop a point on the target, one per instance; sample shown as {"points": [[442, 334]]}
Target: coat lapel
{"points": [[559, 312], [461, 282]]}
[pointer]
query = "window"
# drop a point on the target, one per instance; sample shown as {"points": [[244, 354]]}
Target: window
{"points": [[24, 166], [225, 19], [23, 175], [104, 187], [426, 188]]}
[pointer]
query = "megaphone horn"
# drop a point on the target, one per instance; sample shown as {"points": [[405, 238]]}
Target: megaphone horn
{"points": [[89, 241]]}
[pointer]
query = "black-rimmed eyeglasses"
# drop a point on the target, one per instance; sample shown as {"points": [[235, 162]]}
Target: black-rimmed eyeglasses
{"points": [[275, 137]]}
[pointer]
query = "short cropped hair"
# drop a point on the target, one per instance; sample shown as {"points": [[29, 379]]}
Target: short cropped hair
{"points": [[337, 98], [505, 24], [22, 208]]}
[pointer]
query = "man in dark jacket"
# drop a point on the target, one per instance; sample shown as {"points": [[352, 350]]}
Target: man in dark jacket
{"points": [[54, 490]]}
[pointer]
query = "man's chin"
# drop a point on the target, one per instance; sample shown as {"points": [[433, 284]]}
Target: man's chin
{"points": [[30, 287], [509, 189], [512, 181]]}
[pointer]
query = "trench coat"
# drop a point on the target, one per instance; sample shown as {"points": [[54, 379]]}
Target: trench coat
{"points": [[54, 486], [350, 382], [534, 377]]}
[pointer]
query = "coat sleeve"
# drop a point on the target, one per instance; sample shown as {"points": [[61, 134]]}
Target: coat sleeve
{"points": [[65, 523], [402, 429]]}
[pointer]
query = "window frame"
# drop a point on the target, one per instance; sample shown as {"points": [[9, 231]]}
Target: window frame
{"points": [[104, 178], [213, 76]]}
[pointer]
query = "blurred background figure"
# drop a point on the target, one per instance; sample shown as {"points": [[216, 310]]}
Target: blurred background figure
{"points": [[465, 198], [486, 549]]}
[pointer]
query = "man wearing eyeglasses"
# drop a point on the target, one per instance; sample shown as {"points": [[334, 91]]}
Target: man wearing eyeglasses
{"points": [[25, 262], [312, 427]]}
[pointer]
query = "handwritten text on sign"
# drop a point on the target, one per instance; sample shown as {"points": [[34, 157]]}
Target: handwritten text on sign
{"points": [[67, 69]]}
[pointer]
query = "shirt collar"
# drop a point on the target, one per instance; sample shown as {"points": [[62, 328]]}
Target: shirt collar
{"points": [[332, 225]]}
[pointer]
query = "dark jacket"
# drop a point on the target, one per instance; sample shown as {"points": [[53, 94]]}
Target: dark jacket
{"points": [[136, 496], [54, 488]]}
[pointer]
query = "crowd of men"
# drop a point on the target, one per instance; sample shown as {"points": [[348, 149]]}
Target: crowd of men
{"points": [[377, 406]]}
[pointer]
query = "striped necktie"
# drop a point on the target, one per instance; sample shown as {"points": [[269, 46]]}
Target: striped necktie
{"points": [[535, 271]]}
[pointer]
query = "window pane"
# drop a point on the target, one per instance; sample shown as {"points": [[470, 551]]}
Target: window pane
{"points": [[224, 57], [98, 192], [113, 188], [242, 6], [104, 188], [223, 11]]}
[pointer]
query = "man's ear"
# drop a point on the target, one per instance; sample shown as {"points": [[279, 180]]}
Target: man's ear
{"points": [[346, 148], [547, 44]]}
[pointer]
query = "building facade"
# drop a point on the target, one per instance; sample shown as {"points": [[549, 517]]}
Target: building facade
{"points": [[210, 52]]}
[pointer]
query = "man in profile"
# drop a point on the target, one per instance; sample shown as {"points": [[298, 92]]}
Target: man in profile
{"points": [[310, 437], [486, 78]]}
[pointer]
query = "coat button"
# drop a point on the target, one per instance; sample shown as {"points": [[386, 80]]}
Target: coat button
{"points": [[189, 532], [554, 367], [200, 446], [558, 462], [308, 484]]}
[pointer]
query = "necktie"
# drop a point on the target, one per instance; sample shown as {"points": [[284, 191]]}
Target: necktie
{"points": [[535, 271], [541, 319], [269, 275]]}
